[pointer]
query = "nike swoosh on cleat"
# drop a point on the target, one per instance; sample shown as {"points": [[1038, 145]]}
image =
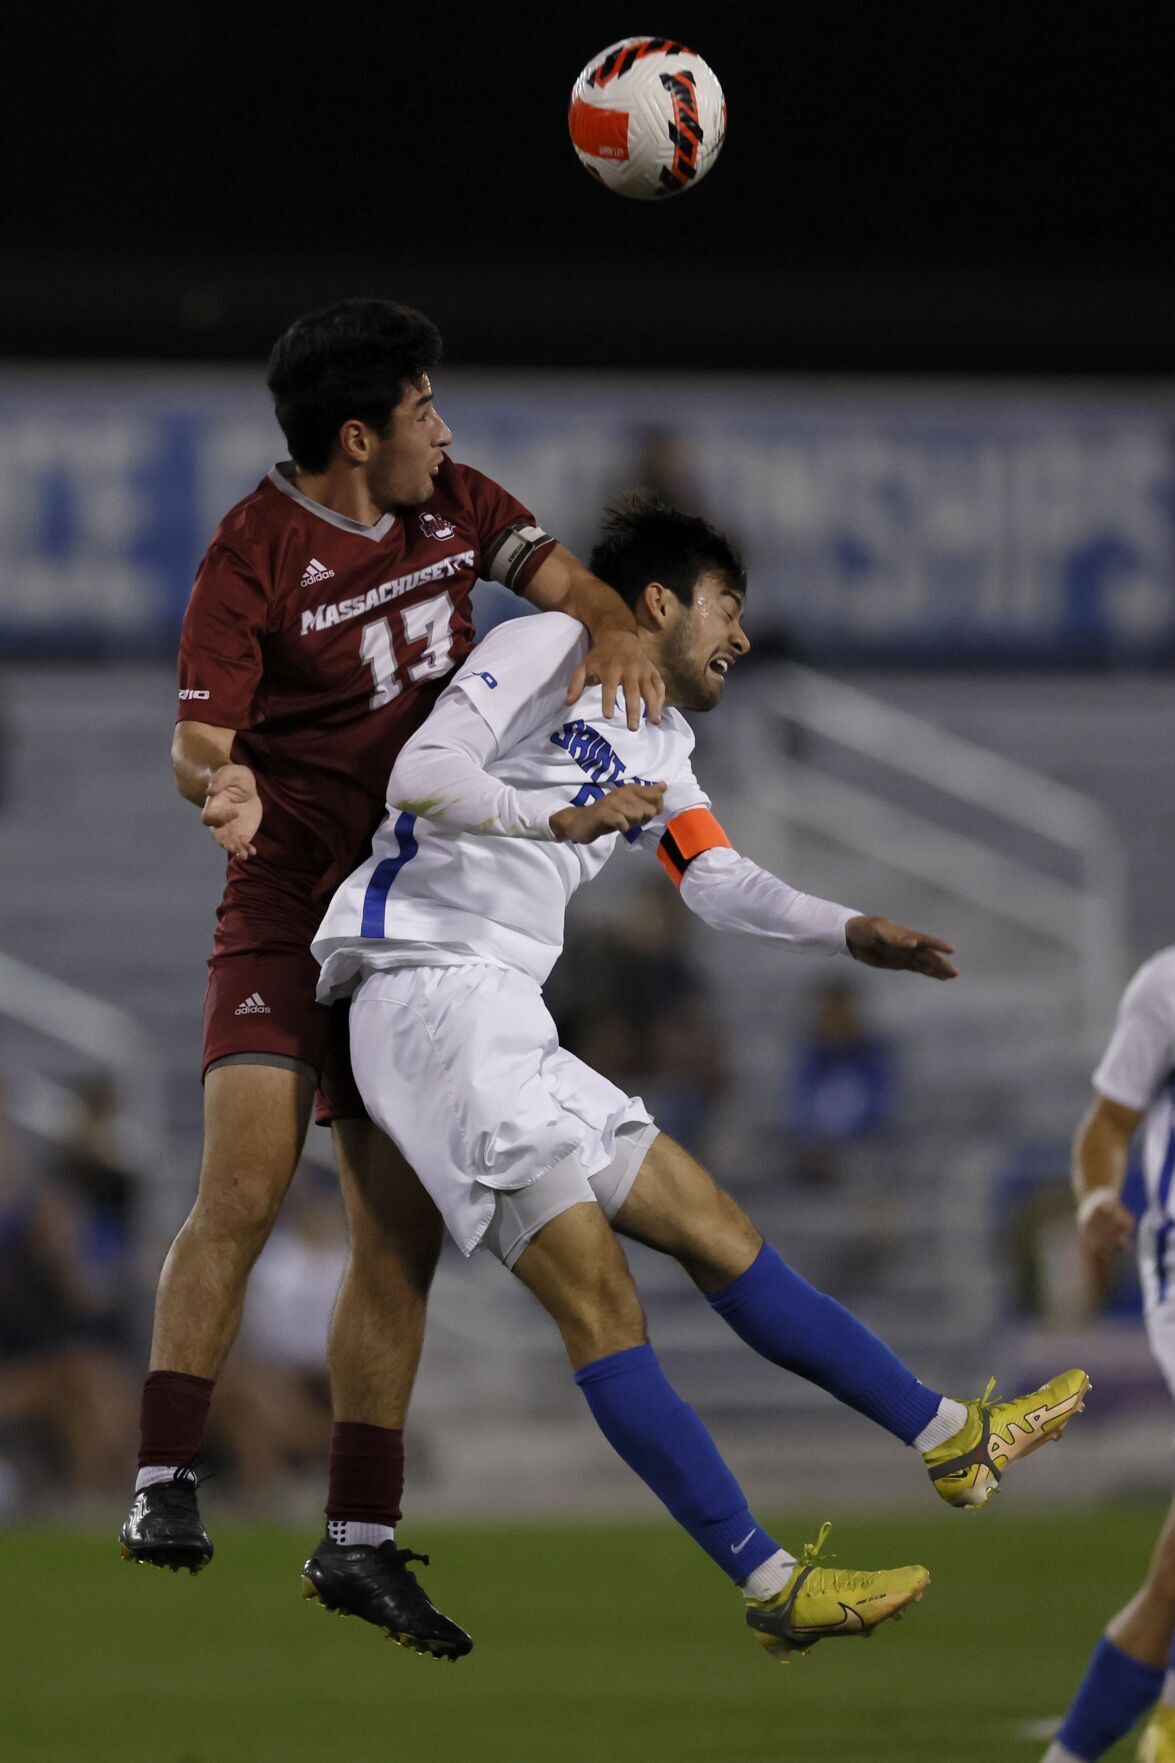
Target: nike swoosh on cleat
{"points": [[852, 1624], [737, 1548]]}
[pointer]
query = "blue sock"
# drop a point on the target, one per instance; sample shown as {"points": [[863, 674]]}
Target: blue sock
{"points": [[781, 1316], [1114, 1692], [660, 1437]]}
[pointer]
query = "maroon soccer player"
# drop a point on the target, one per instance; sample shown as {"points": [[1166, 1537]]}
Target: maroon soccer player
{"points": [[328, 613]]}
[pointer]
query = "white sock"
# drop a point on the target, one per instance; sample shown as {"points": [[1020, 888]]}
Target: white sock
{"points": [[1168, 1696], [1057, 1753], [154, 1472], [769, 1577], [944, 1426], [353, 1535]]}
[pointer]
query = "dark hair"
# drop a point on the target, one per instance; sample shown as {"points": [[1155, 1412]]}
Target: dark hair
{"points": [[354, 359], [644, 540]]}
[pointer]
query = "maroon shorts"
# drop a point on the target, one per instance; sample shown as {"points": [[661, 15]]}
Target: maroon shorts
{"points": [[261, 982]]}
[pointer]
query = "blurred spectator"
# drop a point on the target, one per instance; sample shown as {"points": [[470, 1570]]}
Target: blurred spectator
{"points": [[839, 1115], [662, 467], [629, 1001], [843, 1086], [271, 1412], [66, 1254]]}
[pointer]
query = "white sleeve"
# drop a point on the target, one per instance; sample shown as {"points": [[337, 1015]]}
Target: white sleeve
{"points": [[732, 893], [520, 673], [1141, 1054], [440, 774]]}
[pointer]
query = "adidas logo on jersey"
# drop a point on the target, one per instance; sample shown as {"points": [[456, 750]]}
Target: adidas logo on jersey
{"points": [[316, 572], [254, 1006]]}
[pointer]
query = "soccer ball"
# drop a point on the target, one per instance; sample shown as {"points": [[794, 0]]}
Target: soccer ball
{"points": [[647, 118]]}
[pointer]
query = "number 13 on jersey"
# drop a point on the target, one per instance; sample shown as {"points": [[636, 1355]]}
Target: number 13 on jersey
{"points": [[430, 622]]}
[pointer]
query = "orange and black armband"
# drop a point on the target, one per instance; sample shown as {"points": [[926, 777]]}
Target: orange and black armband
{"points": [[686, 837]]}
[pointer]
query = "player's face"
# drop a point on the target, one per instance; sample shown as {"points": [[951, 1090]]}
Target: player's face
{"points": [[704, 643], [404, 462]]}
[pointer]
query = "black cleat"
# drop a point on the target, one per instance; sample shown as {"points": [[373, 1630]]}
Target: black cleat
{"points": [[163, 1527], [377, 1585]]}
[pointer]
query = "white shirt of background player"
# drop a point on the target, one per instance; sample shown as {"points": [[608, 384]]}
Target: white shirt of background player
{"points": [[1134, 1080]]}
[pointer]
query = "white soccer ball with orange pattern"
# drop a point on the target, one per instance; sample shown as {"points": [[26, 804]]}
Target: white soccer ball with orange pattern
{"points": [[647, 118]]}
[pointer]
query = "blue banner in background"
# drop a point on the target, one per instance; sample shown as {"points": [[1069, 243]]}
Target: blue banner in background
{"points": [[948, 526]]}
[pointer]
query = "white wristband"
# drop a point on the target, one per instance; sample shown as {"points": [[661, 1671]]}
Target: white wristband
{"points": [[1093, 1202]]}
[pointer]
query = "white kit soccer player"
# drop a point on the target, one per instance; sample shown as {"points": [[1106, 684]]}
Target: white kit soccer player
{"points": [[466, 872], [499, 807], [1137, 1071], [1133, 1664]]}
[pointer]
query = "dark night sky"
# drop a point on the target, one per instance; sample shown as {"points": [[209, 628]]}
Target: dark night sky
{"points": [[924, 186]]}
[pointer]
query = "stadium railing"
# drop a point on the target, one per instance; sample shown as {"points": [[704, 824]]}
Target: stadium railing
{"points": [[1086, 914], [105, 1038]]}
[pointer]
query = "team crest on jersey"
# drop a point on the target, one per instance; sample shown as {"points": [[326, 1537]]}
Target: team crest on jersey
{"points": [[435, 526]]}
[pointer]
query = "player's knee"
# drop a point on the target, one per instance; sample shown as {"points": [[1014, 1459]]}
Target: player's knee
{"points": [[408, 1225], [237, 1212], [718, 1244], [398, 1249], [602, 1314]]}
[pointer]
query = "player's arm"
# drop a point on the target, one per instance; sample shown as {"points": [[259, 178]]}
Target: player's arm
{"points": [[1101, 1147], [220, 671], [441, 774], [1131, 1072], [616, 660], [730, 893], [201, 762]]}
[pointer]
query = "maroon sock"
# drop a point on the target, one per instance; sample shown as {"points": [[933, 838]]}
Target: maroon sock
{"points": [[366, 1473], [172, 1417]]}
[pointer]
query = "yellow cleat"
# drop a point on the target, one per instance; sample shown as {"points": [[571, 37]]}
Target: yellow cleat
{"points": [[823, 1603], [1158, 1738], [968, 1468]]}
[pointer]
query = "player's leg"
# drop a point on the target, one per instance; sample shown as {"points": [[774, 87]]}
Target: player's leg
{"points": [[402, 1075], [675, 1206], [1133, 1663], [1127, 1671], [377, 1329], [376, 1335], [576, 1269], [255, 1119]]}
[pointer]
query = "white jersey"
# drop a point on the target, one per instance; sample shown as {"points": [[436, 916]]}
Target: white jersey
{"points": [[432, 896], [1138, 1070]]}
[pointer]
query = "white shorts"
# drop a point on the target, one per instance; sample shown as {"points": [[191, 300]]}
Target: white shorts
{"points": [[462, 1068]]}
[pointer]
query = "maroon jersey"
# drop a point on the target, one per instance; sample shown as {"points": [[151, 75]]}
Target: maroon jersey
{"points": [[325, 643]]}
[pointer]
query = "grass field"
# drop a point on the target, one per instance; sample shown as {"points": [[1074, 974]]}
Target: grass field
{"points": [[594, 1645]]}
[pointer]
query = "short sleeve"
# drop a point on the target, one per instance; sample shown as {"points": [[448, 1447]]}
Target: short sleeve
{"points": [[220, 653], [519, 675], [511, 543], [1141, 1054]]}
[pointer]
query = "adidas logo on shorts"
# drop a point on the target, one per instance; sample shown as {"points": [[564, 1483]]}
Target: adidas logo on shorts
{"points": [[316, 572], [254, 1006]]}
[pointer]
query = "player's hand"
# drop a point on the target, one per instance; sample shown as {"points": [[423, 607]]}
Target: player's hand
{"points": [[1106, 1229], [618, 663], [878, 942], [1102, 1234], [617, 812], [232, 810]]}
